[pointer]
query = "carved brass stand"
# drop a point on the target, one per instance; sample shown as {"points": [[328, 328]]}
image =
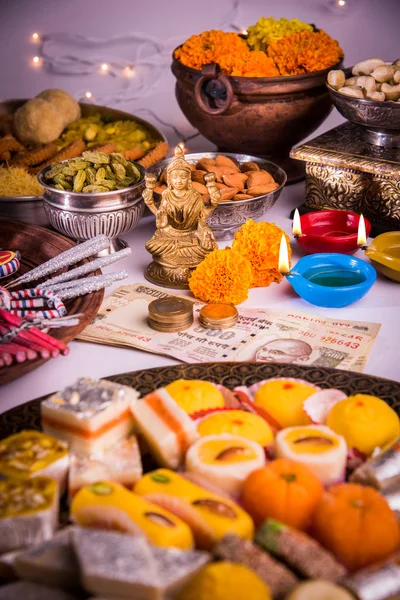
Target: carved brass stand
{"points": [[343, 171]]}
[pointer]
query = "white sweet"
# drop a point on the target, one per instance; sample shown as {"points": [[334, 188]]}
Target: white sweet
{"points": [[322, 450]]}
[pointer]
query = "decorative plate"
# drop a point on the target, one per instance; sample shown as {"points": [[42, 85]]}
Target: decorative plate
{"points": [[36, 246], [229, 374]]}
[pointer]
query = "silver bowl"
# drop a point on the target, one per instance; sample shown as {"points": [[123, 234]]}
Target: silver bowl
{"points": [[83, 216], [380, 121], [29, 209], [229, 216]]}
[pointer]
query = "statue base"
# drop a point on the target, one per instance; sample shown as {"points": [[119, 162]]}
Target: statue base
{"points": [[170, 277]]}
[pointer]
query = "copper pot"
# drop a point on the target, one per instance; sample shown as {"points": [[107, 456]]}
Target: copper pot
{"points": [[263, 116]]}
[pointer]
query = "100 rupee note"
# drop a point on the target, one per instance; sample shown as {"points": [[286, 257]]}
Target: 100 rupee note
{"points": [[261, 335]]}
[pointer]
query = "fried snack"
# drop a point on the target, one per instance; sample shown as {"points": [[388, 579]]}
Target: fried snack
{"points": [[71, 151], [9, 143], [134, 153], [106, 148], [38, 122], [6, 124], [6, 155], [64, 103], [155, 155], [35, 156], [15, 181]]}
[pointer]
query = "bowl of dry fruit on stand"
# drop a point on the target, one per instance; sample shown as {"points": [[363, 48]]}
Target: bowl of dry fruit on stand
{"points": [[368, 95], [260, 92], [53, 127], [249, 187]]}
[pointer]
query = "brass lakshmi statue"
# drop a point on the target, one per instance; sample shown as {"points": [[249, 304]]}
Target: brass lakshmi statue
{"points": [[182, 238]]}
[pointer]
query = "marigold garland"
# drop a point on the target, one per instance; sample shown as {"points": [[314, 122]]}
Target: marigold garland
{"points": [[223, 276], [259, 243], [305, 52]]}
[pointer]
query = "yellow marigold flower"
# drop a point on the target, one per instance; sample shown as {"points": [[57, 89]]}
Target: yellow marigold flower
{"points": [[223, 276], [305, 52], [259, 243], [268, 29], [225, 581]]}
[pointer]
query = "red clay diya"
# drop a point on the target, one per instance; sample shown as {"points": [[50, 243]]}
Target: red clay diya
{"points": [[338, 231]]}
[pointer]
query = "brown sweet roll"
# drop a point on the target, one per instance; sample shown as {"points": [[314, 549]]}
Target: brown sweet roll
{"points": [[8, 142], [235, 549], [299, 551], [35, 156], [155, 155], [133, 153]]}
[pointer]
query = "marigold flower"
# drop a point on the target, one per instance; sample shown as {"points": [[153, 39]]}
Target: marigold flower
{"points": [[259, 243], [305, 52], [223, 276], [268, 29]]}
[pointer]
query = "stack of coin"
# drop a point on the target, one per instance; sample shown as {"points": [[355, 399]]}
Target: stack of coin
{"points": [[170, 314], [218, 316]]}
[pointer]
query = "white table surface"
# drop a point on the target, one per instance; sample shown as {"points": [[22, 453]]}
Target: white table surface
{"points": [[381, 304], [364, 28]]}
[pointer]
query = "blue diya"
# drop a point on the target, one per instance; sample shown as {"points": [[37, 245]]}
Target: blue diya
{"points": [[331, 280]]}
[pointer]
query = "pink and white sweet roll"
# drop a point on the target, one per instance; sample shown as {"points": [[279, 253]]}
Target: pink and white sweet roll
{"points": [[166, 427], [318, 447]]}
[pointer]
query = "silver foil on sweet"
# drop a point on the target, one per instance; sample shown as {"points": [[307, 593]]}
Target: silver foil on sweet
{"points": [[376, 583], [86, 398], [381, 471]]}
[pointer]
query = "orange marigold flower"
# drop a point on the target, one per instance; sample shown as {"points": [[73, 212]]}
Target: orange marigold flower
{"points": [[305, 52], [223, 276], [259, 243], [209, 47]]}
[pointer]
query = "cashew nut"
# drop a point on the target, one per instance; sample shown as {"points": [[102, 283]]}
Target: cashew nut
{"points": [[383, 73], [365, 67], [366, 82], [336, 79], [396, 77], [376, 96], [392, 92], [351, 81], [396, 63], [353, 91]]}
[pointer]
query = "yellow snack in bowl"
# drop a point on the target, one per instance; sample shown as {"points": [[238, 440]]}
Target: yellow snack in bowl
{"points": [[237, 422], [108, 505], [366, 422], [194, 395], [283, 400]]}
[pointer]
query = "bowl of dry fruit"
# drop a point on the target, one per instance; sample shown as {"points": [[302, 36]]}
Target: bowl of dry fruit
{"points": [[249, 187], [260, 92], [92, 194], [368, 94]]}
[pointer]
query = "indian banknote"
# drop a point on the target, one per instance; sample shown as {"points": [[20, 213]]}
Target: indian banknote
{"points": [[261, 334]]}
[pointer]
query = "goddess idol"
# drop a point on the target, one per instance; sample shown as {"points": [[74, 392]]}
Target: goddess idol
{"points": [[182, 238]]}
